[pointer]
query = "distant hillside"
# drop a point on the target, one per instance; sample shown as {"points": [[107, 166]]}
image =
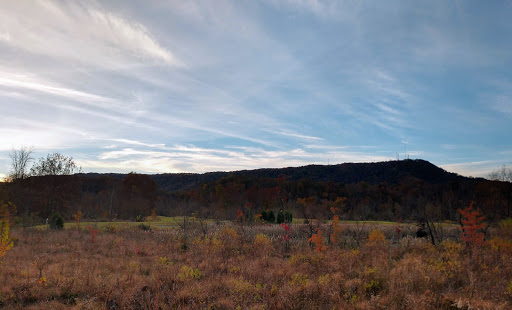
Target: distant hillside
{"points": [[391, 172], [390, 190]]}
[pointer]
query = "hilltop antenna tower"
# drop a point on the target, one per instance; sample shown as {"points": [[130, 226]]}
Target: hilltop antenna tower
{"points": [[405, 149]]}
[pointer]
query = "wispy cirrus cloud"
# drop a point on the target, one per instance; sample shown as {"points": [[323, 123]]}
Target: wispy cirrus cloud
{"points": [[25, 83], [80, 31], [474, 169], [296, 135], [191, 158], [198, 86], [325, 9]]}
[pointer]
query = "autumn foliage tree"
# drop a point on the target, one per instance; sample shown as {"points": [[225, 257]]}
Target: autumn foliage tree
{"points": [[318, 240], [240, 216], [137, 195], [78, 217], [287, 236], [335, 226], [376, 237], [6, 242], [471, 225]]}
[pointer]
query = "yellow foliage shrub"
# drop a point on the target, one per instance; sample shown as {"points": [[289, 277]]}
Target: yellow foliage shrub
{"points": [[262, 244], [325, 280], [505, 229], [299, 279], [448, 261], [509, 288], [501, 245], [6, 242], [376, 237], [227, 240], [165, 261], [240, 287], [452, 247], [188, 273]]}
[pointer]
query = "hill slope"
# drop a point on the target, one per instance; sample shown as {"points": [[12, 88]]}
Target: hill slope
{"points": [[391, 172], [410, 186]]}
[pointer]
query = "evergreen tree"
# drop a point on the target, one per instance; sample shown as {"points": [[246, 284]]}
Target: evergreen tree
{"points": [[271, 218], [56, 221], [264, 215], [280, 217], [288, 217]]}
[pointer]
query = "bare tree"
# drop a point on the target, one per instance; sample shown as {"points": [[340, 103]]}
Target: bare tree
{"points": [[20, 160], [503, 173]]}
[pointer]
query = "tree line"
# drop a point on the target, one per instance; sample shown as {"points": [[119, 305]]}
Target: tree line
{"points": [[50, 185], [53, 164]]}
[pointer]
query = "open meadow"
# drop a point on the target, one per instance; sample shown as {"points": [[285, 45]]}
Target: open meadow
{"points": [[227, 265], [268, 154]]}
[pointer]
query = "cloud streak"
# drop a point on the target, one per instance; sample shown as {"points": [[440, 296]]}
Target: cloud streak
{"points": [[80, 31], [180, 158], [27, 84]]}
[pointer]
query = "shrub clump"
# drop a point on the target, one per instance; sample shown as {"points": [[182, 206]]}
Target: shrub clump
{"points": [[144, 227], [56, 221]]}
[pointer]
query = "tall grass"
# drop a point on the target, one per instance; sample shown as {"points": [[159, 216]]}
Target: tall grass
{"points": [[250, 267]]}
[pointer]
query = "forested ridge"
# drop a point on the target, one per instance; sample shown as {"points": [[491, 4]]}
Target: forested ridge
{"points": [[408, 189], [391, 172]]}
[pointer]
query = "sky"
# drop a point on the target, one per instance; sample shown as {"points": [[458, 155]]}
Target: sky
{"points": [[199, 86]]}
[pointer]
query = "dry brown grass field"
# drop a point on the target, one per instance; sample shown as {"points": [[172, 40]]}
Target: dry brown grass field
{"points": [[261, 266]]}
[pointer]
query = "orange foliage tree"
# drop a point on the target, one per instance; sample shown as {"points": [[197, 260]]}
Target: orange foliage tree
{"points": [[471, 225], [78, 218], [318, 240], [336, 228], [376, 237]]}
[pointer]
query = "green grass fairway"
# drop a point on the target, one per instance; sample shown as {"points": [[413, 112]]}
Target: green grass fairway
{"points": [[158, 222]]}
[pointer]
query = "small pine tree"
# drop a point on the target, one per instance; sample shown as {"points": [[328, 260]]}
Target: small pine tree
{"points": [[280, 217], [56, 221], [288, 217], [264, 215], [271, 218]]}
